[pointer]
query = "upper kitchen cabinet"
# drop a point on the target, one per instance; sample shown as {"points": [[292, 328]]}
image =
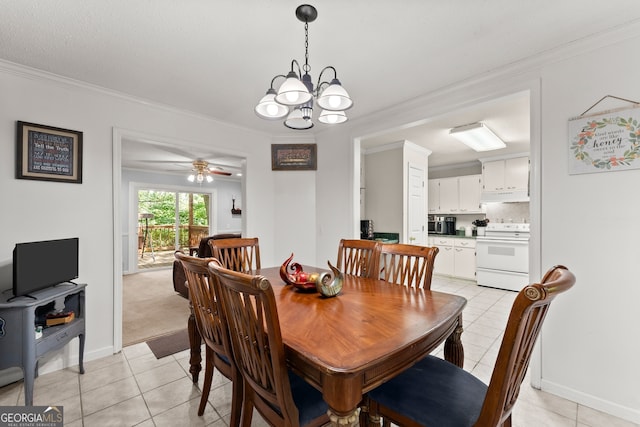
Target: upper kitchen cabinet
{"points": [[505, 180], [455, 195]]}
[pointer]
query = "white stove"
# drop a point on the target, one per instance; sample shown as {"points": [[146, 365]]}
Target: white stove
{"points": [[502, 256]]}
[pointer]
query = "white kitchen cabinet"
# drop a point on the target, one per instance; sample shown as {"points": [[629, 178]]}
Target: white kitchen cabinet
{"points": [[455, 195], [444, 260], [456, 257], [469, 190], [433, 186], [464, 258], [506, 175], [516, 174], [449, 195]]}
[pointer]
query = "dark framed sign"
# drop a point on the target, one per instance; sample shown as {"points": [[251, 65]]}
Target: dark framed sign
{"points": [[48, 153], [293, 157]]}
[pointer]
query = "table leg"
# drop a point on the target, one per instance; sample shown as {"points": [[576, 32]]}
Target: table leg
{"points": [[453, 349], [349, 420], [194, 344]]}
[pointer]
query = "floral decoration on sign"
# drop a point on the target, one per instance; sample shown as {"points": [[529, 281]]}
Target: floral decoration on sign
{"points": [[605, 143]]}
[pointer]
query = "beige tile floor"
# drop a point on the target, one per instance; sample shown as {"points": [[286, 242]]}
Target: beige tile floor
{"points": [[134, 388]]}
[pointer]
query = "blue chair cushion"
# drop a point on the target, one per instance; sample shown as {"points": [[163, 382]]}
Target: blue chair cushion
{"points": [[434, 392], [308, 400], [224, 358]]}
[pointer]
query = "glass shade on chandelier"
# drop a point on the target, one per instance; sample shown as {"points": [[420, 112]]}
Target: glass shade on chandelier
{"points": [[332, 117], [269, 109], [295, 97]]}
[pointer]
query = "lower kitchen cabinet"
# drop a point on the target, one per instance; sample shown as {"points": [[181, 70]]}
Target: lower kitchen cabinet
{"points": [[444, 260], [464, 251], [456, 257]]}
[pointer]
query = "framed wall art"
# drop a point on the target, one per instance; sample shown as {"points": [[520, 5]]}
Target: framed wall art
{"points": [[605, 142], [293, 157], [48, 153]]}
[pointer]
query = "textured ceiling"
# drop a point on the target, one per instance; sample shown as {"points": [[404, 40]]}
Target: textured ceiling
{"points": [[217, 58]]}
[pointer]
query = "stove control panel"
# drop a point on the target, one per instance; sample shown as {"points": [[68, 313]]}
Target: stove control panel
{"points": [[509, 227]]}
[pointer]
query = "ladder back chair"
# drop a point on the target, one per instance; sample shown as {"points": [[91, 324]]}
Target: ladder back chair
{"points": [[435, 392], [409, 265], [239, 254], [358, 257], [281, 397], [207, 312]]}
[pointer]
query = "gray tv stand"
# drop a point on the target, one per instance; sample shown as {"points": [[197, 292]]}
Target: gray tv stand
{"points": [[20, 316]]}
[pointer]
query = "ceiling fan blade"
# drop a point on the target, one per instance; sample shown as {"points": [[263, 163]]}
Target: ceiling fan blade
{"points": [[217, 172]]}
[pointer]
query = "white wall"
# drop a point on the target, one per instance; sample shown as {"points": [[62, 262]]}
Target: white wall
{"points": [[591, 348], [384, 189]]}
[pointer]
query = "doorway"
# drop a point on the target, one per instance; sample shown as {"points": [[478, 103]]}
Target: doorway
{"points": [[168, 221], [164, 219]]}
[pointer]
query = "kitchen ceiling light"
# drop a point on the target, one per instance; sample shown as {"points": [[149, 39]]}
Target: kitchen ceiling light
{"points": [[478, 137], [295, 95]]}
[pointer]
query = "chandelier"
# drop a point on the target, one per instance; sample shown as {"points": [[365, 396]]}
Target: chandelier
{"points": [[294, 98], [201, 172]]}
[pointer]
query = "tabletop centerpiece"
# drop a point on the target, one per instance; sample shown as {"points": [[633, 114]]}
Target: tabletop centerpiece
{"points": [[328, 284]]}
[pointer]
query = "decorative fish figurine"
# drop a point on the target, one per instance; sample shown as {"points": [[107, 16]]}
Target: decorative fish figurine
{"points": [[294, 275], [330, 286]]}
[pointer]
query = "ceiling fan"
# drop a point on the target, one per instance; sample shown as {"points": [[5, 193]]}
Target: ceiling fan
{"points": [[202, 172]]}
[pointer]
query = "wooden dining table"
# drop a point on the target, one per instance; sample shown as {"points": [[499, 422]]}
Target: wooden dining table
{"points": [[349, 344]]}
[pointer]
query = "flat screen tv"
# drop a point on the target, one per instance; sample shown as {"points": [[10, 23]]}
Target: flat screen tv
{"points": [[38, 265]]}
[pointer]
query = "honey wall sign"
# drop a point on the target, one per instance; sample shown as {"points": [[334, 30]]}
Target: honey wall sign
{"points": [[605, 142]]}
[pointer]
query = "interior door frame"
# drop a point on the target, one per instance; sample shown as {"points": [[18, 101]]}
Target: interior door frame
{"points": [[118, 136], [134, 187]]}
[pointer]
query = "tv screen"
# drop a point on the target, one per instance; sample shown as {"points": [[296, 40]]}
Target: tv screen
{"points": [[38, 265]]}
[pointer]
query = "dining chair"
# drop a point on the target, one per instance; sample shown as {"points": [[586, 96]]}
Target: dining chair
{"points": [[279, 395], [409, 265], [207, 312], [238, 254], [358, 257], [435, 392]]}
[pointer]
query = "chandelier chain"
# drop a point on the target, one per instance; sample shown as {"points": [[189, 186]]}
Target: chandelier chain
{"points": [[306, 66]]}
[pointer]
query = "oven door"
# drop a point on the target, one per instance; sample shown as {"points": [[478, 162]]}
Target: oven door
{"points": [[503, 254]]}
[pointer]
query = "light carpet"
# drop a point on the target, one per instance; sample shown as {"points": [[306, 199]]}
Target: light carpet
{"points": [[151, 307]]}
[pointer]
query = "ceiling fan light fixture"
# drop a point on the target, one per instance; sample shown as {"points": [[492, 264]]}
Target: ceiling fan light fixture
{"points": [[200, 172], [478, 137]]}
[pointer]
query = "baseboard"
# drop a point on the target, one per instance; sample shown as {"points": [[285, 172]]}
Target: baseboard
{"points": [[612, 408], [65, 358]]}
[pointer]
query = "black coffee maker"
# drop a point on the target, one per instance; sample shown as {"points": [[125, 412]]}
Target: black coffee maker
{"points": [[450, 225], [366, 229]]}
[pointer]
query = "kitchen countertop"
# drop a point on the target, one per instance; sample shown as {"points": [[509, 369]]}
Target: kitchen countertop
{"points": [[451, 235]]}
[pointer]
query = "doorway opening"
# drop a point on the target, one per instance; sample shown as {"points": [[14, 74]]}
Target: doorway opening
{"points": [[168, 221]]}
